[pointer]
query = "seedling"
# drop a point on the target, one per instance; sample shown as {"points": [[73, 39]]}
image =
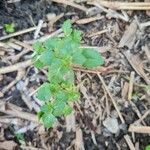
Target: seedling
{"points": [[9, 28], [59, 55]]}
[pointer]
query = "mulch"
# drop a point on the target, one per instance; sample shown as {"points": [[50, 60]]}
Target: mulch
{"points": [[114, 109]]}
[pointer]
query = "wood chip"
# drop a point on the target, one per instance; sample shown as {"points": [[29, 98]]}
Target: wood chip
{"points": [[8, 145], [129, 36], [79, 144], [147, 51], [70, 123], [130, 91], [135, 62], [139, 129], [125, 90]]}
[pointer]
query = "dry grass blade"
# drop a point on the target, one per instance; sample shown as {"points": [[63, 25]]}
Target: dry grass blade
{"points": [[125, 5], [113, 101], [129, 142]]}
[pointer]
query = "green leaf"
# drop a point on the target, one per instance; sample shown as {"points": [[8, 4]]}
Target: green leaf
{"points": [[73, 95], [61, 96], [40, 114], [47, 57], [9, 28], [77, 36], [69, 76], [48, 120], [147, 147], [38, 47], [66, 27], [78, 58], [52, 43], [44, 92], [93, 58], [46, 107], [60, 74], [38, 64], [70, 45], [58, 108], [67, 110]]}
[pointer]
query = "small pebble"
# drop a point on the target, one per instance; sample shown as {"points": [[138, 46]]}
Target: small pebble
{"points": [[111, 124]]}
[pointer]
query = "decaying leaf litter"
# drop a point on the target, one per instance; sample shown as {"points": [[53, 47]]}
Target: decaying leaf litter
{"points": [[113, 112]]}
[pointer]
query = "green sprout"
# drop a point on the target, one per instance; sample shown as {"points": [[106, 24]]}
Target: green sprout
{"points": [[59, 55], [20, 138], [9, 28]]}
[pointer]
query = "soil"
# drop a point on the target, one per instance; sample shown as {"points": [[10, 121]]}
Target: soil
{"points": [[26, 14]]}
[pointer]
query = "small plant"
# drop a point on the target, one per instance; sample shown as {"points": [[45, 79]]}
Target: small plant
{"points": [[9, 28], [59, 55], [147, 147]]}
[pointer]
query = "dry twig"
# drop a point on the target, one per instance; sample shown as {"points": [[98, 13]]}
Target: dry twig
{"points": [[9, 109], [111, 97], [129, 142], [19, 33], [15, 67], [88, 20], [125, 5]]}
